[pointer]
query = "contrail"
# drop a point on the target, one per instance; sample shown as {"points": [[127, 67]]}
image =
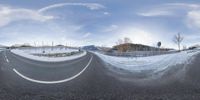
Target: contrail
{"points": [[91, 6]]}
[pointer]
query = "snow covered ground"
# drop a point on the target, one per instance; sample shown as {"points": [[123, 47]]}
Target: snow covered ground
{"points": [[48, 50], [28, 53], [151, 63], [2, 50]]}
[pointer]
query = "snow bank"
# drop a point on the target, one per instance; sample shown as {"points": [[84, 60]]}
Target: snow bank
{"points": [[29, 54], [2, 50], [151, 63], [48, 50]]}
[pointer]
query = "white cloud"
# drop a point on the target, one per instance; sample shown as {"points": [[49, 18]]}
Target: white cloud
{"points": [[87, 35], [189, 12], [169, 9], [69, 33], [191, 39], [24, 34], [139, 35], [8, 15], [91, 6], [156, 13], [184, 5], [106, 13], [193, 18], [111, 28]]}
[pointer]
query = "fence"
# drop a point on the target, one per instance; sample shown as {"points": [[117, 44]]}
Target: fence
{"points": [[138, 53]]}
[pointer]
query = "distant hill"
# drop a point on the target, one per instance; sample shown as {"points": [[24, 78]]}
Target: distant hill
{"points": [[2, 46], [128, 47], [105, 49], [194, 46], [90, 47]]}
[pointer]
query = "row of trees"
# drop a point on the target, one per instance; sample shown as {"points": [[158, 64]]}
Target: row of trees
{"points": [[123, 48], [178, 38]]}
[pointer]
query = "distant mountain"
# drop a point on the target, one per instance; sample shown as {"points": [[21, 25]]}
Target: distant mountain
{"points": [[90, 47], [197, 45], [20, 45], [129, 47], [194, 46], [102, 48]]}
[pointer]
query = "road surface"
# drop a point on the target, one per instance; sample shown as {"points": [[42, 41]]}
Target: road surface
{"points": [[88, 78]]}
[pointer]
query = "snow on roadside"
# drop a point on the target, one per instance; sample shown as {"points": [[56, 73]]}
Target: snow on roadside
{"points": [[2, 50], [48, 50], [28, 54], [151, 63]]}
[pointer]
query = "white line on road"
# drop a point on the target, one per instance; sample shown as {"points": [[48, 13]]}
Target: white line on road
{"points": [[6, 58], [53, 82]]}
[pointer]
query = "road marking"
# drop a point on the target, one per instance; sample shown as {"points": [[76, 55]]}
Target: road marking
{"points": [[6, 58], [53, 82]]}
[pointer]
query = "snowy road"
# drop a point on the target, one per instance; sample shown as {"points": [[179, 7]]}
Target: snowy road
{"points": [[89, 78]]}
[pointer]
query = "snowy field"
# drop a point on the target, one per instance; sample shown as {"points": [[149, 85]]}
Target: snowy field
{"points": [[48, 50], [151, 63], [29, 53], [2, 50]]}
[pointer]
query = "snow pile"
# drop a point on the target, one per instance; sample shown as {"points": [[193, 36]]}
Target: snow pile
{"points": [[151, 63], [2, 49], [28, 53], [48, 50]]}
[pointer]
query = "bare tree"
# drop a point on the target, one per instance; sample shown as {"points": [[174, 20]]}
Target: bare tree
{"points": [[123, 41], [52, 46], [35, 46], [119, 41], [127, 40], [178, 39], [123, 45]]}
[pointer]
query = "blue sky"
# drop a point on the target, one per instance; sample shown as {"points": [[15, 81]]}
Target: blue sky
{"points": [[99, 22]]}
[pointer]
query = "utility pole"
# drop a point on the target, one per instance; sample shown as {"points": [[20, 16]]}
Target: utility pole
{"points": [[159, 44], [66, 46], [35, 46], [43, 47], [52, 46]]}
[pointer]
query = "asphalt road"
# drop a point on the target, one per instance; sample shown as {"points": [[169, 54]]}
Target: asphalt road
{"points": [[89, 78]]}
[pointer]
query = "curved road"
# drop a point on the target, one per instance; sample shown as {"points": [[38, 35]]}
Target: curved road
{"points": [[88, 78]]}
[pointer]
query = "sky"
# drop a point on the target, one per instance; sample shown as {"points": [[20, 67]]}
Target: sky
{"points": [[99, 22]]}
